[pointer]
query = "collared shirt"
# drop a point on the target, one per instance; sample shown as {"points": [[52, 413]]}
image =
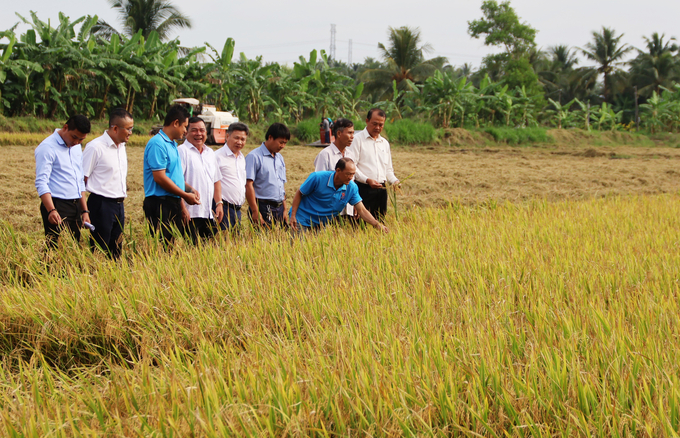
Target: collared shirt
{"points": [[233, 175], [326, 160], [267, 173], [200, 172], [59, 168], [321, 201], [373, 158], [161, 154], [105, 166]]}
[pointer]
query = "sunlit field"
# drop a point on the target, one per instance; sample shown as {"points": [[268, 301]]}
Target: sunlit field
{"points": [[520, 292]]}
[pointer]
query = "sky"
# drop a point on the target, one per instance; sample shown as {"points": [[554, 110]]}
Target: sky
{"points": [[281, 31]]}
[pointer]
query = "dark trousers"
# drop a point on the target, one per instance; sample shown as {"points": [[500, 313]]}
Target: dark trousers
{"points": [[164, 214], [108, 217], [375, 200], [232, 215], [271, 212], [202, 228], [69, 210]]}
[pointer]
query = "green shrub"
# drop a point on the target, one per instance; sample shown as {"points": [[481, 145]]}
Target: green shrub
{"points": [[307, 131], [406, 131], [518, 136]]}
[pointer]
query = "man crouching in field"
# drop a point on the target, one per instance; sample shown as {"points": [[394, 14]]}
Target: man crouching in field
{"points": [[105, 168], [325, 194], [59, 180], [164, 186]]}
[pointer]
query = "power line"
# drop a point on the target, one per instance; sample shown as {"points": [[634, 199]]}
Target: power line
{"points": [[272, 46]]}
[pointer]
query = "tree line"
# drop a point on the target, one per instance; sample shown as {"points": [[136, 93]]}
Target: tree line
{"points": [[86, 66]]}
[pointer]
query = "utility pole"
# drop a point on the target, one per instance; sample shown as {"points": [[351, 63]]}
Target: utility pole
{"points": [[332, 54], [349, 55], [637, 111]]}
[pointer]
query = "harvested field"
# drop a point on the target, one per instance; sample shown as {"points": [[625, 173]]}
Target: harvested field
{"points": [[440, 174]]}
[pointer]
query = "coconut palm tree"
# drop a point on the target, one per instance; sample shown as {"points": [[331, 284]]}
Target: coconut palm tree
{"points": [[403, 58], [607, 52], [657, 66], [147, 16]]}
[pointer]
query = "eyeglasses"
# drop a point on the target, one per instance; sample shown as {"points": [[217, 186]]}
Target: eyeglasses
{"points": [[129, 130]]}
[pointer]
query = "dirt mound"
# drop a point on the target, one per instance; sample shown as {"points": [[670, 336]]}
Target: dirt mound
{"points": [[463, 137]]}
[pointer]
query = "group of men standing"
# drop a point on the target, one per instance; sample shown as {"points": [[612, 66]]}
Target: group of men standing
{"points": [[194, 190]]}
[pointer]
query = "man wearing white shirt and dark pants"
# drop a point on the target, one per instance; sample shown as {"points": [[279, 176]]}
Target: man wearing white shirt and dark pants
{"points": [[371, 153], [343, 131], [200, 172], [232, 165], [105, 169]]}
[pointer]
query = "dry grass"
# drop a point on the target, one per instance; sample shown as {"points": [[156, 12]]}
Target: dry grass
{"points": [[441, 174]]}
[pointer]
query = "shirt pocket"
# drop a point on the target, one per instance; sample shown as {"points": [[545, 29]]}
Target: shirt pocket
{"points": [[281, 172]]}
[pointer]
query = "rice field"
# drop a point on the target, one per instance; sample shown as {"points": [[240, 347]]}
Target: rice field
{"points": [[486, 311]]}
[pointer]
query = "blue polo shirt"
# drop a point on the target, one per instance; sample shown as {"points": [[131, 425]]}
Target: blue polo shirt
{"points": [[161, 154], [267, 173], [321, 201]]}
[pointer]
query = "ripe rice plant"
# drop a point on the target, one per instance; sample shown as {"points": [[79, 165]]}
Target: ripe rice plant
{"points": [[539, 319]]}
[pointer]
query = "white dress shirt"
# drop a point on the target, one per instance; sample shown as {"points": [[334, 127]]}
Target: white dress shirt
{"points": [[200, 172], [373, 158], [233, 175], [105, 166], [326, 160]]}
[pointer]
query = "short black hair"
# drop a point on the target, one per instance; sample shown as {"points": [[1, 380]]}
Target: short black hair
{"points": [[78, 122], [196, 120], [342, 163], [277, 130], [377, 111], [176, 112], [118, 114], [238, 126], [341, 124]]}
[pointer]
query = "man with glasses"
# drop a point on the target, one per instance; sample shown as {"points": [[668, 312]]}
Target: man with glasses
{"points": [[105, 168], [59, 179]]}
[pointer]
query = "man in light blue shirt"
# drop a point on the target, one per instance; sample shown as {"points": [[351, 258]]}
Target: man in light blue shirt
{"points": [[266, 177], [59, 179], [325, 194], [164, 186]]}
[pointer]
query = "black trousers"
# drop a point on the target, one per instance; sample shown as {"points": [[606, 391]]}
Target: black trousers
{"points": [[69, 210], [164, 214], [202, 228], [375, 200], [108, 217], [270, 212]]}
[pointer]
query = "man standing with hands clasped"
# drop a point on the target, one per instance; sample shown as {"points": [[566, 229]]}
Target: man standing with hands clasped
{"points": [[59, 180], [105, 169], [164, 186], [373, 158], [200, 170]]}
